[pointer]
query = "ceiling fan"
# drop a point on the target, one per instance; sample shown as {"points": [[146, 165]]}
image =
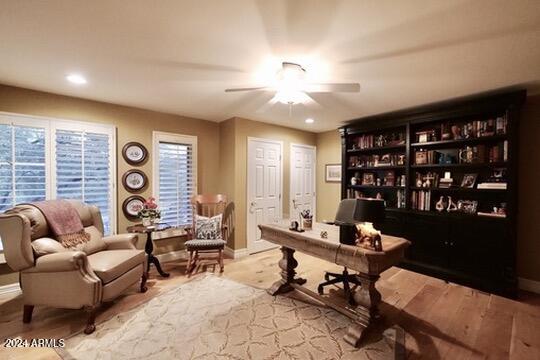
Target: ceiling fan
{"points": [[291, 87]]}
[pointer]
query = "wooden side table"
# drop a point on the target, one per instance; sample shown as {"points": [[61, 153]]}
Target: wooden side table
{"points": [[149, 246]]}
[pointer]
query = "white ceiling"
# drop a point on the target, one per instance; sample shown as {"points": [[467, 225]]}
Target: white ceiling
{"points": [[179, 56]]}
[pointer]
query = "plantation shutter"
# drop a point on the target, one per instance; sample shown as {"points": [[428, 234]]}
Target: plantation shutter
{"points": [[176, 182], [83, 170], [22, 165]]}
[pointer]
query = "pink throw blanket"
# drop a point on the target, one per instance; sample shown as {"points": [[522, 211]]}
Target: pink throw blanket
{"points": [[64, 221]]}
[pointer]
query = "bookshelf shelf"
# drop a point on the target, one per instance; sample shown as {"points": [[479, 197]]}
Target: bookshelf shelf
{"points": [[459, 142], [376, 149], [481, 249], [390, 167], [463, 165]]}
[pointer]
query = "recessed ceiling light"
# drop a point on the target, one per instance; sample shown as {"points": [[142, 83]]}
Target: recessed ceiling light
{"points": [[309, 121], [76, 79]]}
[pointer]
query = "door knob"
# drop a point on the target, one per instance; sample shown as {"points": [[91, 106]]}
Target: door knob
{"points": [[295, 206], [251, 206]]}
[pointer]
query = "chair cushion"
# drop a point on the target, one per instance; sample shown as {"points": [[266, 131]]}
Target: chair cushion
{"points": [[111, 264], [208, 228], [203, 244], [44, 246]]}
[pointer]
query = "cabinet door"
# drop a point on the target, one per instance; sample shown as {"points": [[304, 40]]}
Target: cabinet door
{"points": [[428, 235], [392, 225], [476, 247]]}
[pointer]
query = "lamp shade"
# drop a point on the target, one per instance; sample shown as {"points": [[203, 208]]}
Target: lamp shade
{"points": [[369, 210], [353, 211]]}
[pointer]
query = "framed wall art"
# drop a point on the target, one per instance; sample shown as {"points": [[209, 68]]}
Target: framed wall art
{"points": [[131, 206], [134, 153], [332, 173], [134, 181]]}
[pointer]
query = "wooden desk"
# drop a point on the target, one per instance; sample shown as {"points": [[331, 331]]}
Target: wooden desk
{"points": [[369, 265]]}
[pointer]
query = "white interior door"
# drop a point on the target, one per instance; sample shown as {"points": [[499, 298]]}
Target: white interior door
{"points": [[302, 193], [263, 190]]}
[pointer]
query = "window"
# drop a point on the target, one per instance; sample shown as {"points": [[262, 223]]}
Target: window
{"points": [[84, 167], [48, 159], [22, 165], [175, 176]]}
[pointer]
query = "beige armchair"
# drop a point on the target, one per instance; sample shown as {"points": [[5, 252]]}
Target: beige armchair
{"points": [[51, 275]]}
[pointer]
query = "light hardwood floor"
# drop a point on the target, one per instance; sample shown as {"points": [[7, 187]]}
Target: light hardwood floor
{"points": [[441, 320]]}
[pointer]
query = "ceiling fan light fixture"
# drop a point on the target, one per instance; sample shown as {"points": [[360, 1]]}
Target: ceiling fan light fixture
{"points": [[291, 97]]}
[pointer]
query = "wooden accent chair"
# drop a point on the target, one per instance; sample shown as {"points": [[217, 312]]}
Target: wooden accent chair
{"points": [[207, 205]]}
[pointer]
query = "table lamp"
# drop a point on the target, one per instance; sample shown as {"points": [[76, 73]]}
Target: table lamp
{"points": [[353, 211]]}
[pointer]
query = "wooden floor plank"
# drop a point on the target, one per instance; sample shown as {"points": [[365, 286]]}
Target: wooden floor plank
{"points": [[441, 320]]}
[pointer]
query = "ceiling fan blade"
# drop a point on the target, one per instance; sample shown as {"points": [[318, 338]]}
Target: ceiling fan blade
{"points": [[267, 106], [247, 89], [331, 87]]}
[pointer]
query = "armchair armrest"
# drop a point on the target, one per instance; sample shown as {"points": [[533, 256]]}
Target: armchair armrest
{"points": [[121, 241], [62, 261]]}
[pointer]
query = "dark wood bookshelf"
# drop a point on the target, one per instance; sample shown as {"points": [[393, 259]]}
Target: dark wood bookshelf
{"points": [[467, 248]]}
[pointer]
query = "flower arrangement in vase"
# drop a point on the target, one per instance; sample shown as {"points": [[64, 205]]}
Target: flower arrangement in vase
{"points": [[149, 214]]}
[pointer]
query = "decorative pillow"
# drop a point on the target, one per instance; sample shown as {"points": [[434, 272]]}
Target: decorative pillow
{"points": [[44, 246], [208, 228]]}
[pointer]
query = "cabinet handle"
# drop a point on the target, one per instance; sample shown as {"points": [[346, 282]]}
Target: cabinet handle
{"points": [[452, 243], [446, 243]]}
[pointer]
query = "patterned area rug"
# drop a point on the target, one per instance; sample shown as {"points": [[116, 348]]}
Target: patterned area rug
{"points": [[216, 318]]}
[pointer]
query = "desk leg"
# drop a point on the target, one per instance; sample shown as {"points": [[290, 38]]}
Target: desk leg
{"points": [[367, 298], [287, 264]]}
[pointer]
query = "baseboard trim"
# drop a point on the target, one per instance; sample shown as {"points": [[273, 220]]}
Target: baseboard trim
{"points": [[236, 254], [529, 285], [11, 288]]}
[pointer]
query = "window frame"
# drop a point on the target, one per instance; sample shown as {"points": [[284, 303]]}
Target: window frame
{"points": [[160, 136], [51, 125]]}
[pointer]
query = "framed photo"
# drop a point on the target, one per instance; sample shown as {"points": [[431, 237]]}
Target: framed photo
{"points": [[134, 153], [420, 158], [131, 206], [134, 181], [467, 206], [368, 179], [333, 173], [469, 180], [389, 178]]}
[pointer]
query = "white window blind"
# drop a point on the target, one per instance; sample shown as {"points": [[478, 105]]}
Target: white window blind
{"points": [[83, 170], [22, 165], [176, 176]]}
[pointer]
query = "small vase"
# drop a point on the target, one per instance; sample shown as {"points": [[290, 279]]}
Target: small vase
{"points": [[146, 221]]}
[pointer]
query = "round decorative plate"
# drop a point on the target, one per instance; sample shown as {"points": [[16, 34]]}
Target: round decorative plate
{"points": [[131, 206], [134, 180], [134, 153]]}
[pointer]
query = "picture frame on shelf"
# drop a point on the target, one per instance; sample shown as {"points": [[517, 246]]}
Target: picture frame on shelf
{"points": [[332, 173], [469, 181], [467, 206], [389, 178], [368, 178]]}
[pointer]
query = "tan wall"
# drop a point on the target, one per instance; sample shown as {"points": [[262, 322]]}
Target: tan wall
{"points": [[227, 164], [132, 125], [328, 194], [247, 128], [528, 250]]}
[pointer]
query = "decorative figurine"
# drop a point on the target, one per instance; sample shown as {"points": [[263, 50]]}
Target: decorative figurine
{"points": [[324, 234], [451, 205], [441, 204]]}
